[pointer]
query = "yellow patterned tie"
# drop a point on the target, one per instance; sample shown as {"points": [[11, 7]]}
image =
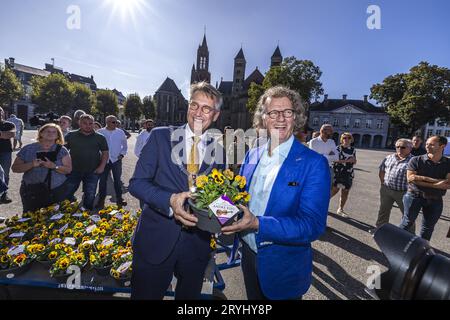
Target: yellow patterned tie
{"points": [[193, 163]]}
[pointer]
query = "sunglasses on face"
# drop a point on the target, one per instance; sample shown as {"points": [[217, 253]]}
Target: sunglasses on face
{"points": [[346, 138], [400, 147]]}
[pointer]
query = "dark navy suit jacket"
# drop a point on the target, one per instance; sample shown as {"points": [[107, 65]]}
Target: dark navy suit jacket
{"points": [[155, 179], [295, 215]]}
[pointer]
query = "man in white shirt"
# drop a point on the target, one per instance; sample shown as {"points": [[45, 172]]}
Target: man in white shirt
{"points": [[325, 145], [117, 144], [142, 138], [19, 130]]}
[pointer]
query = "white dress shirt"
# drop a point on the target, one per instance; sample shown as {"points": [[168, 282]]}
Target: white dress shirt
{"points": [[201, 145], [325, 148], [141, 140], [117, 143]]}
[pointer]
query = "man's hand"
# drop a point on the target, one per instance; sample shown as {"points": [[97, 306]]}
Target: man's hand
{"points": [[120, 157], [177, 201], [444, 184], [248, 222], [99, 170]]}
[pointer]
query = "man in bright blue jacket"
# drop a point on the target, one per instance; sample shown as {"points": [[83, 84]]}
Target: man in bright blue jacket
{"points": [[289, 186]]}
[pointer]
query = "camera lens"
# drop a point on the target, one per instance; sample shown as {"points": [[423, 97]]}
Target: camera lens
{"points": [[415, 270]]}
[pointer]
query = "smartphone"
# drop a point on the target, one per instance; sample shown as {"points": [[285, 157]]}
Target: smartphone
{"points": [[50, 155]]}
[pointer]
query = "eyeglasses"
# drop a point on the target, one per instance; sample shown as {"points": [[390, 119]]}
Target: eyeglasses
{"points": [[288, 113], [205, 109], [346, 138], [400, 147]]}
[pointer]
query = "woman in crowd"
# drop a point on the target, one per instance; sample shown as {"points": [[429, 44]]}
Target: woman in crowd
{"points": [[343, 170], [44, 165]]}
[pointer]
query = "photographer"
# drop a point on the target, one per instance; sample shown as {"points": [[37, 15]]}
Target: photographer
{"points": [[44, 165]]}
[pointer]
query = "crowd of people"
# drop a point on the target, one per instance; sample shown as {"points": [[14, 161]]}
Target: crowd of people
{"points": [[291, 183]]}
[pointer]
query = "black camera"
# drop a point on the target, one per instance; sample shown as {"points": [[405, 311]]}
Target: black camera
{"points": [[416, 271]]}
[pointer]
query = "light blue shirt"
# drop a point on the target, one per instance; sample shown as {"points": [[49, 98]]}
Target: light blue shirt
{"points": [[262, 182]]}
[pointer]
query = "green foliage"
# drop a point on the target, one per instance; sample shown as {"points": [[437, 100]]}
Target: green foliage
{"points": [[133, 107], [10, 87], [53, 93], [299, 75], [415, 98], [82, 97], [149, 108], [105, 103]]}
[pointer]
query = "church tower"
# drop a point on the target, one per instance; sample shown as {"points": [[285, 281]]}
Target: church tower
{"points": [[276, 58], [201, 72], [239, 72]]}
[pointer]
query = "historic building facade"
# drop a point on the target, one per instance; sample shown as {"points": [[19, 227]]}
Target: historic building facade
{"points": [[171, 106], [368, 124], [234, 111]]}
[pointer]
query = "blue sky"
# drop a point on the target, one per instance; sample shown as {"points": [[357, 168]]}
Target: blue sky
{"points": [[137, 54]]}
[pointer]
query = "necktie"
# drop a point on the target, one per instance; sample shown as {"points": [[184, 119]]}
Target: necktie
{"points": [[193, 161]]}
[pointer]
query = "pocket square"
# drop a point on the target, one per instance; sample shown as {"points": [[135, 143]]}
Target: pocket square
{"points": [[293, 184]]}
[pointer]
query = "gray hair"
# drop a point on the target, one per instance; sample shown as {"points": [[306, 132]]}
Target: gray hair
{"points": [[280, 92], [407, 142], [209, 91]]}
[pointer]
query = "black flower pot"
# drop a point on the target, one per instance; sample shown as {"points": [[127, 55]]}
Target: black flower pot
{"points": [[124, 282], [103, 271], [209, 222], [14, 272]]}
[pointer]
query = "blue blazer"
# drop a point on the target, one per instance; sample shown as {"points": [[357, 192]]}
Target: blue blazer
{"points": [[155, 179], [295, 216]]}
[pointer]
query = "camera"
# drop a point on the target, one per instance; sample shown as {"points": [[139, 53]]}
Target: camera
{"points": [[416, 271]]}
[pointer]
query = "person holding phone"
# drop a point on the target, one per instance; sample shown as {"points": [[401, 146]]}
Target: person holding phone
{"points": [[43, 163]]}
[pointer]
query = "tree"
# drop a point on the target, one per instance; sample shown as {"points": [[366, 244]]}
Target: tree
{"points": [[149, 108], [413, 99], [82, 97], [105, 103], [10, 88], [53, 93], [133, 108], [301, 76]]}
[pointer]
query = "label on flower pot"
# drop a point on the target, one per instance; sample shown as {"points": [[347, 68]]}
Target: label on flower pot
{"points": [[107, 242], [124, 267], [90, 228], [56, 240], [113, 212], [91, 242], [70, 241], [119, 216], [4, 230], [223, 208], [16, 250], [17, 235], [23, 220], [96, 218], [64, 227], [56, 216]]}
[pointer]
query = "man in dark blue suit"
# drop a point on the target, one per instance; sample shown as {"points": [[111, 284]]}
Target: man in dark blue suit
{"points": [[166, 241]]}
